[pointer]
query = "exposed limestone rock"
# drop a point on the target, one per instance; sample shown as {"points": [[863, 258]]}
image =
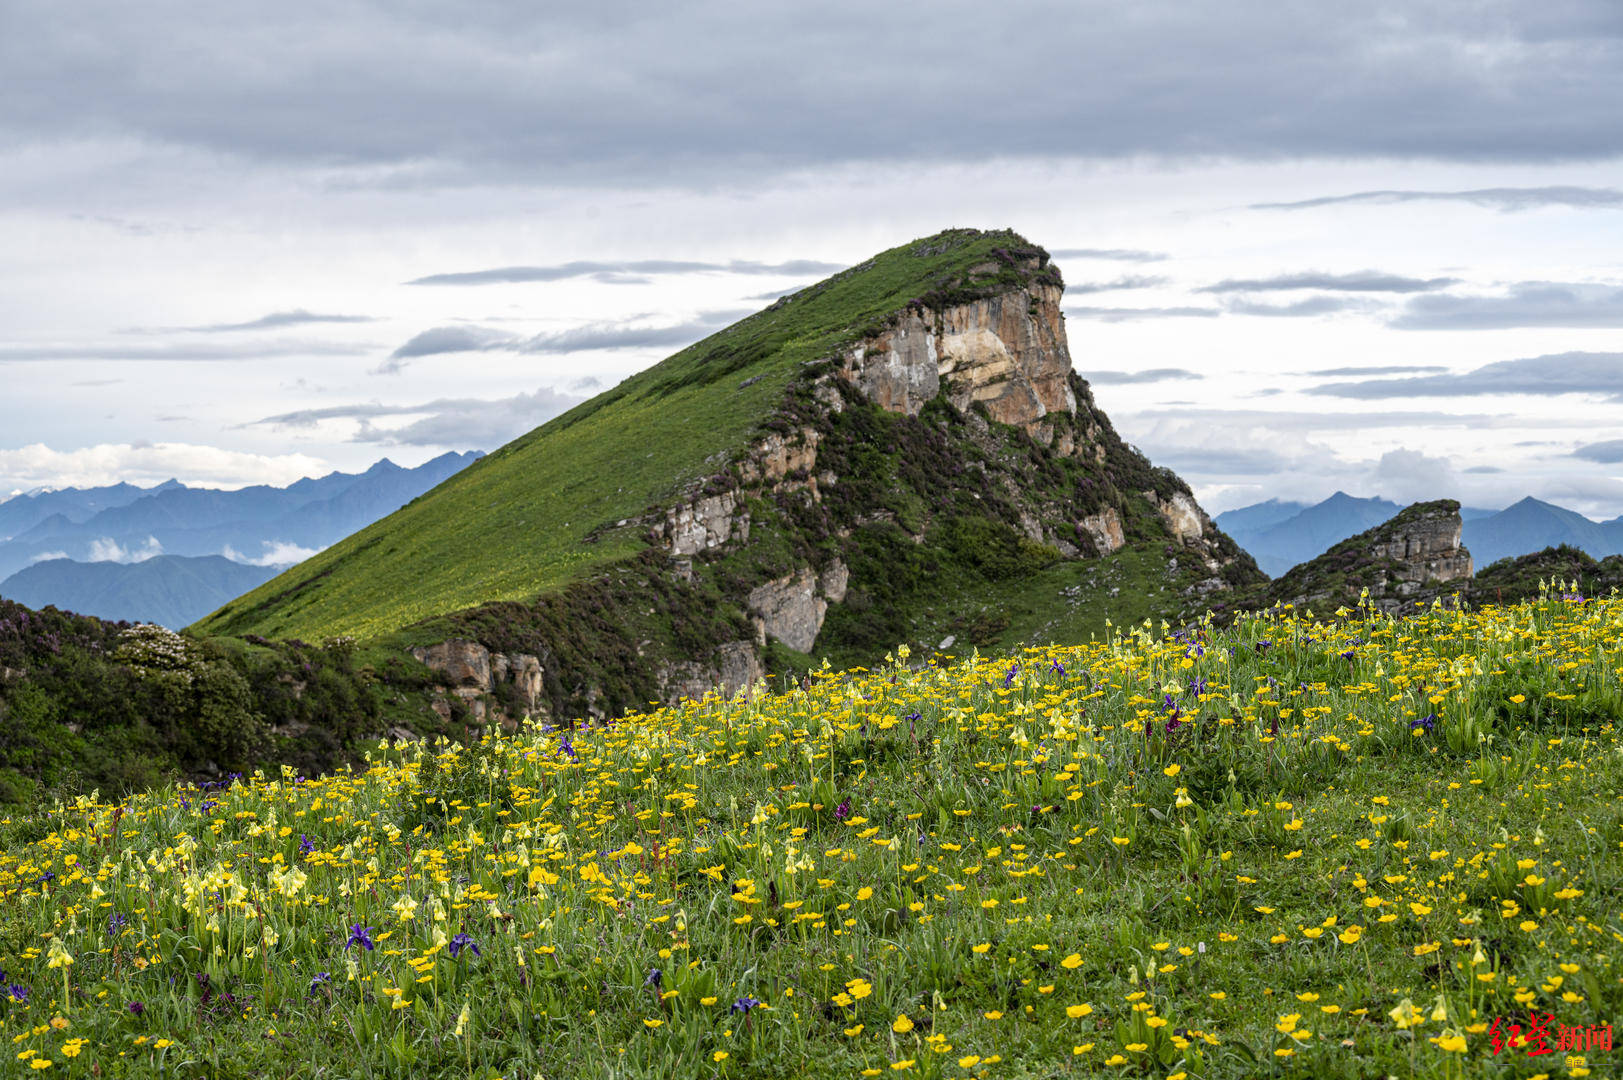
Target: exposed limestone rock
{"points": [[525, 673], [465, 663], [734, 667], [1006, 353], [475, 671], [789, 609], [833, 580], [1104, 529], [1427, 549], [776, 456], [1186, 520], [704, 524], [899, 369]]}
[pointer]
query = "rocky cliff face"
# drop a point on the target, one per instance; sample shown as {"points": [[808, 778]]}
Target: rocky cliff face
{"points": [[950, 447], [1404, 563]]}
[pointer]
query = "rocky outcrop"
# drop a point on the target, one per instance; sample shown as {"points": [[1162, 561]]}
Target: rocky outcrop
{"points": [[1423, 543], [1183, 518], [733, 666], [475, 672], [788, 609], [704, 524], [1404, 563], [1006, 353], [1104, 529]]}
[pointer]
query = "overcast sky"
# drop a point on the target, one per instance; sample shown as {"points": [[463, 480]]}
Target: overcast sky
{"points": [[1380, 250]]}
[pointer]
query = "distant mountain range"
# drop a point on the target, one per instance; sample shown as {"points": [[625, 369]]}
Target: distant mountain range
{"points": [[1280, 535], [171, 553], [171, 590]]}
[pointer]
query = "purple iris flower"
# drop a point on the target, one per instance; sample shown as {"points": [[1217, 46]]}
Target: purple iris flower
{"points": [[1008, 680], [306, 845], [463, 941], [360, 935], [743, 1005], [322, 978], [19, 993]]}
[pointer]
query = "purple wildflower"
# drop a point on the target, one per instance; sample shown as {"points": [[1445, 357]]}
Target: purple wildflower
{"points": [[463, 941], [360, 935], [19, 993], [306, 845], [136, 1008], [743, 1005]]}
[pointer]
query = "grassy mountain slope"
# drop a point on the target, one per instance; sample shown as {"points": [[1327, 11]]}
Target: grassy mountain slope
{"points": [[541, 511]]}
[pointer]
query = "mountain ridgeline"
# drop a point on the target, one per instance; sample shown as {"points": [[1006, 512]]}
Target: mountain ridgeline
{"points": [[902, 453]]}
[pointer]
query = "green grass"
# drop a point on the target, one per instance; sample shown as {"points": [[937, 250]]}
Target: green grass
{"points": [[540, 512], [1281, 849]]}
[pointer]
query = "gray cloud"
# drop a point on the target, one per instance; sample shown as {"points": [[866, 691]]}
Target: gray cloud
{"points": [[1116, 254], [276, 320], [19, 352], [1505, 199], [631, 333], [1127, 281], [621, 336], [450, 422], [1609, 452], [451, 339], [1527, 303], [1387, 369], [1312, 305], [1149, 375], [1121, 314], [1482, 470], [1358, 281], [1562, 373], [622, 94], [623, 273]]}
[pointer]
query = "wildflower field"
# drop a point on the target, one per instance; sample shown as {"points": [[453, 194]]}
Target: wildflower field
{"points": [[1285, 848]]}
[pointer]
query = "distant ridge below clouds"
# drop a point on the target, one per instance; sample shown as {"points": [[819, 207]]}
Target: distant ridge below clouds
{"points": [[623, 273], [1503, 199], [171, 590], [282, 524]]}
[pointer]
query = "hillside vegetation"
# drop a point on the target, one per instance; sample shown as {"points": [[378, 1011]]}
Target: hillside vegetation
{"points": [[542, 511], [1282, 848]]}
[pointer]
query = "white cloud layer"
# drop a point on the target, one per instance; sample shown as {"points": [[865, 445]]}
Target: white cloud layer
{"points": [[275, 553], [106, 549], [145, 464]]}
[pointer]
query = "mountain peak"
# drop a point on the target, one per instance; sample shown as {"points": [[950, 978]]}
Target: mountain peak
{"points": [[776, 489]]}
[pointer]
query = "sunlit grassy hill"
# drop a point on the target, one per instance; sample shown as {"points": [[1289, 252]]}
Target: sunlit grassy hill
{"points": [[1282, 848], [542, 511]]}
